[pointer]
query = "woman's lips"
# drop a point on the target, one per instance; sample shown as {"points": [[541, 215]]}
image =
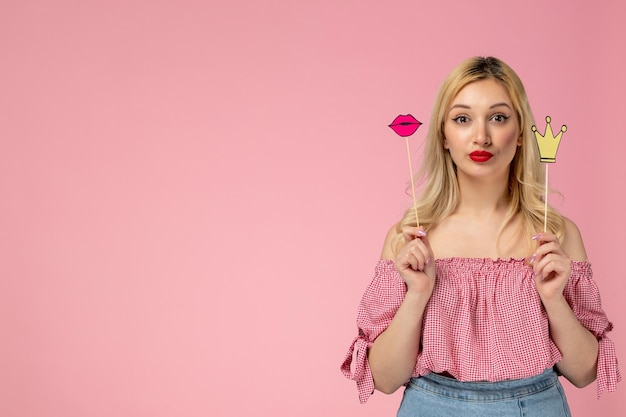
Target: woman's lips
{"points": [[480, 156], [405, 125]]}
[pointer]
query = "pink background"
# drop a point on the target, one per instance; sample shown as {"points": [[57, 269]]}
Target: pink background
{"points": [[193, 194]]}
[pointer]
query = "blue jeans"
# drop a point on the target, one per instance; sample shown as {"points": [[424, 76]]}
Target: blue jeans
{"points": [[437, 396]]}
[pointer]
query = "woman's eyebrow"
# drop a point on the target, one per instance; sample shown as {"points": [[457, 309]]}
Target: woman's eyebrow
{"points": [[465, 106], [500, 104]]}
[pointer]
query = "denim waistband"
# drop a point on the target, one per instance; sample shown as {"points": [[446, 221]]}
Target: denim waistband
{"points": [[485, 391]]}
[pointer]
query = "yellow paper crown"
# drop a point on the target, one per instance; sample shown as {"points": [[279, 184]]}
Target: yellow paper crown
{"points": [[548, 143]]}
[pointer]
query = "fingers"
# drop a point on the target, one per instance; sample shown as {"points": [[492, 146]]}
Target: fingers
{"points": [[551, 265], [545, 237], [417, 252], [415, 262], [548, 243], [417, 255], [549, 258], [410, 233]]}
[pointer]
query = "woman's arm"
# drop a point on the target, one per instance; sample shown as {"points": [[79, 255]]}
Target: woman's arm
{"points": [[393, 355], [552, 265]]}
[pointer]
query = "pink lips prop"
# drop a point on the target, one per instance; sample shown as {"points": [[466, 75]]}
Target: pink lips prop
{"points": [[405, 125]]}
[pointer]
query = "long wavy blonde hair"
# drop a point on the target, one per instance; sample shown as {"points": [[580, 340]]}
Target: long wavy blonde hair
{"points": [[440, 196]]}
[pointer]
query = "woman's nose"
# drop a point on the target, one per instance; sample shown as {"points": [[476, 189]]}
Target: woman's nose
{"points": [[481, 135]]}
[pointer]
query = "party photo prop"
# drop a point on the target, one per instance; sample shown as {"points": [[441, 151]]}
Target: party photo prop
{"points": [[548, 146], [405, 126]]}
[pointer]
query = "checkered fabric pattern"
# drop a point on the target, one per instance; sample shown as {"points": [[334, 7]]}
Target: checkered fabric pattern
{"points": [[484, 322]]}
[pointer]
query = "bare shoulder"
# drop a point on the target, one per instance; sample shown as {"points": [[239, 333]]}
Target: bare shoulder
{"points": [[572, 242], [391, 242]]}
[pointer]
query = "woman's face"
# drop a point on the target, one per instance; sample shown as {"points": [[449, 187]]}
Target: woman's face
{"points": [[481, 130]]}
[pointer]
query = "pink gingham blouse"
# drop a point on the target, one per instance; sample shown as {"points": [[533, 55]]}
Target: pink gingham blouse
{"points": [[484, 322]]}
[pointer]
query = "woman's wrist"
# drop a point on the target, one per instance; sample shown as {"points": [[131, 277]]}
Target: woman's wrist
{"points": [[416, 299], [555, 303]]}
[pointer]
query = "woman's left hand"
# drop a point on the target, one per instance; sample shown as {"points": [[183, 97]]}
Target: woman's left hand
{"points": [[552, 266]]}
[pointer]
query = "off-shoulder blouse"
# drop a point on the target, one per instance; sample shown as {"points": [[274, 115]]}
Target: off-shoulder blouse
{"points": [[484, 322]]}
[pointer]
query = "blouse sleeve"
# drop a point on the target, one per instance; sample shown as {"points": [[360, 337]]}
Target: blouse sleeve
{"points": [[583, 296], [379, 304]]}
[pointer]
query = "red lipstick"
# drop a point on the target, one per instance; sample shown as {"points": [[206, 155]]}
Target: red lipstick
{"points": [[405, 125], [480, 156]]}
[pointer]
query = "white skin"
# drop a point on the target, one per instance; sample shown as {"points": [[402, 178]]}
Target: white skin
{"points": [[481, 117]]}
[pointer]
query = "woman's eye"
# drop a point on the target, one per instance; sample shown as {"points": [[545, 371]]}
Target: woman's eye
{"points": [[461, 119], [500, 118]]}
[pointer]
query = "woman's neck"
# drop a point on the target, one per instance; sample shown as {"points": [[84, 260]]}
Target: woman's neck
{"points": [[483, 198], [479, 227]]}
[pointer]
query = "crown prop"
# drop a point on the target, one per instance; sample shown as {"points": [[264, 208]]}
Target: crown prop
{"points": [[548, 143]]}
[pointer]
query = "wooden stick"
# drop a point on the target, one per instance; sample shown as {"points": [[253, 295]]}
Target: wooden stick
{"points": [[408, 151], [545, 203]]}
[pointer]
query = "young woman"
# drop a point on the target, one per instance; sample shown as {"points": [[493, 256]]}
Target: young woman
{"points": [[477, 311]]}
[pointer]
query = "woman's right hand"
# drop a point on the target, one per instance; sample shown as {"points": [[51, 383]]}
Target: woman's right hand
{"points": [[415, 261]]}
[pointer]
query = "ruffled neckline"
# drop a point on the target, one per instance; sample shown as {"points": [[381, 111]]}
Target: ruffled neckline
{"points": [[480, 261]]}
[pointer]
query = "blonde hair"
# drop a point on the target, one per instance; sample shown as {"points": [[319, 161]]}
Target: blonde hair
{"points": [[440, 196]]}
